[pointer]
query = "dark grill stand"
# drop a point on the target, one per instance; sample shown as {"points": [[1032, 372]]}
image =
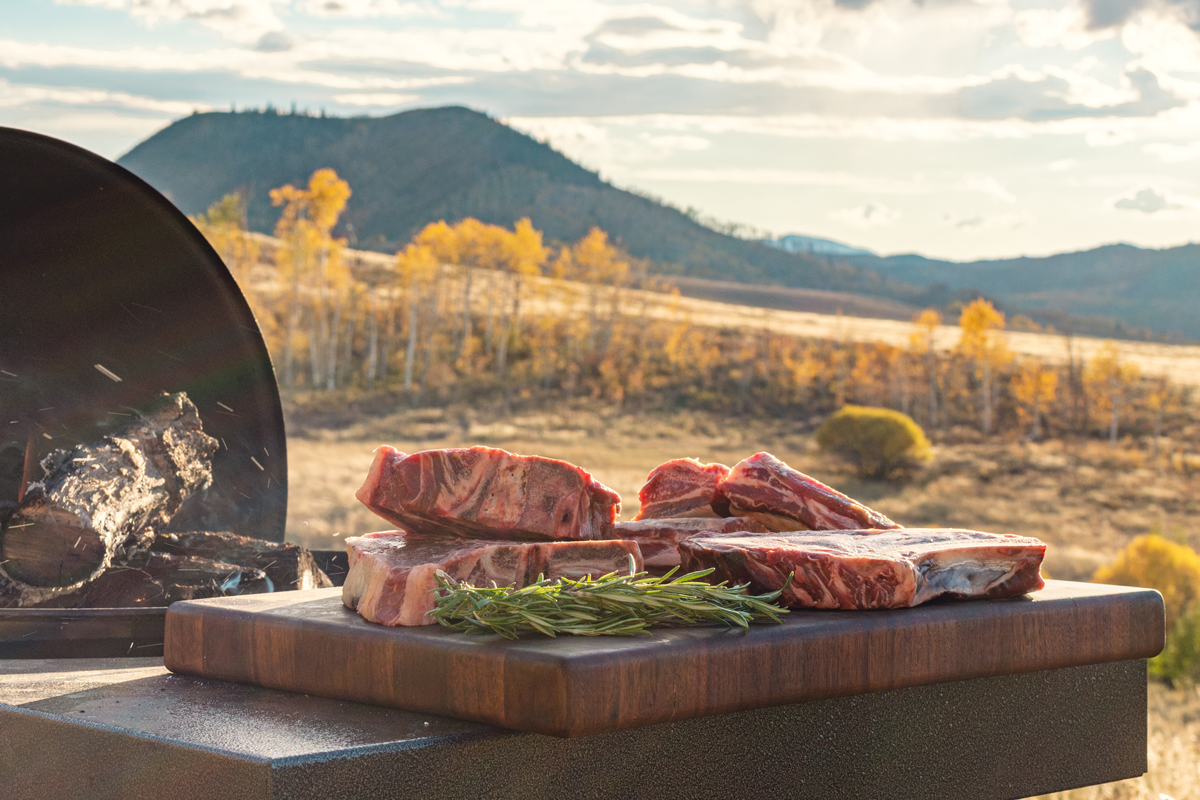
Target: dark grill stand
{"points": [[75, 735]]}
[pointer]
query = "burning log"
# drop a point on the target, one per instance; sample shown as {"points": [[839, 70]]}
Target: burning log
{"points": [[99, 502], [159, 579], [286, 566], [93, 532]]}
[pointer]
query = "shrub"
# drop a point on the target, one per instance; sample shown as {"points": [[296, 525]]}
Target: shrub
{"points": [[1180, 660], [879, 442], [1153, 562]]}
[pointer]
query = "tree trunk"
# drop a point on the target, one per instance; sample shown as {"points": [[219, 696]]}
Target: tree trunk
{"points": [[335, 328], [372, 344], [1113, 421], [410, 352]]}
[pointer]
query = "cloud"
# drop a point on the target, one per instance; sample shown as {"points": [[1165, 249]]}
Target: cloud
{"points": [[1062, 165], [242, 21], [1148, 201], [273, 42], [1174, 153], [987, 222], [871, 215], [364, 8], [383, 99], [1104, 14], [992, 188], [1048, 96], [673, 142]]}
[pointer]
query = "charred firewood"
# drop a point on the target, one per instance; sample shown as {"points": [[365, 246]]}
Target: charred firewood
{"points": [[159, 579], [288, 566], [100, 502]]}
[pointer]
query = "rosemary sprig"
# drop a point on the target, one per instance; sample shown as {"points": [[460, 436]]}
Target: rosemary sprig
{"points": [[615, 604]]}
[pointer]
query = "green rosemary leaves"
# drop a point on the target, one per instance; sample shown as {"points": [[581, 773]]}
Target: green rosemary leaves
{"points": [[614, 604]]}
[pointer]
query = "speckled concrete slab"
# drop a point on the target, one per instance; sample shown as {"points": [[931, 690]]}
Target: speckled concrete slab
{"points": [[137, 733]]}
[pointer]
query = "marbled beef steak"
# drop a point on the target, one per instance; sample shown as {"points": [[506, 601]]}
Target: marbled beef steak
{"points": [[393, 574], [659, 538], [683, 487], [484, 492], [785, 499], [870, 568]]}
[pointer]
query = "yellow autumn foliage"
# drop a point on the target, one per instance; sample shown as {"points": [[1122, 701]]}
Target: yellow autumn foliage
{"points": [[1153, 562]]}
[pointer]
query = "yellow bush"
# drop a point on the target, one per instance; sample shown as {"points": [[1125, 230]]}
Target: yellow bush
{"points": [[1153, 562], [879, 442]]}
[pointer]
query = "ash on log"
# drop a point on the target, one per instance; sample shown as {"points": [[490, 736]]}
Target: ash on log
{"points": [[99, 502], [92, 533]]}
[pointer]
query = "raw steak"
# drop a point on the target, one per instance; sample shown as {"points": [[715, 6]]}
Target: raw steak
{"points": [[659, 538], [683, 487], [392, 575], [482, 492], [873, 569], [785, 499]]}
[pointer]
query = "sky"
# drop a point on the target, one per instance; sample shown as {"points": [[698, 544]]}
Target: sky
{"points": [[959, 129]]}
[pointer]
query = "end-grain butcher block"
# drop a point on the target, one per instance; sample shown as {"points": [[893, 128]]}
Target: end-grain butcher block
{"points": [[393, 574], [683, 487], [659, 538], [873, 569], [483, 492], [785, 499]]}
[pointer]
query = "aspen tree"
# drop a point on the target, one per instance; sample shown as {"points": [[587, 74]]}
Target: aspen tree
{"points": [[1108, 379], [982, 343], [921, 343], [1034, 388]]}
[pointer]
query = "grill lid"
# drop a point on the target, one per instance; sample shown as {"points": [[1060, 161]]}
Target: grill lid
{"points": [[109, 297]]}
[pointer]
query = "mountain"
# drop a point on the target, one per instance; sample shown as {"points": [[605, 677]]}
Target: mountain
{"points": [[420, 166], [1143, 288], [795, 243]]}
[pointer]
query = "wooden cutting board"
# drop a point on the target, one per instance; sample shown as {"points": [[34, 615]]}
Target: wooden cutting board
{"points": [[309, 642]]}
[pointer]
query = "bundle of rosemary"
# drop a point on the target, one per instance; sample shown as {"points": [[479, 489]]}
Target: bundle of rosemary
{"points": [[614, 604]]}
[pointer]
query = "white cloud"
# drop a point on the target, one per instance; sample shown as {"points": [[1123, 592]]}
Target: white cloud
{"points": [[1153, 201], [1062, 164], [672, 142], [243, 21], [992, 188], [18, 95], [375, 99], [365, 8], [989, 222], [1174, 153], [871, 215]]}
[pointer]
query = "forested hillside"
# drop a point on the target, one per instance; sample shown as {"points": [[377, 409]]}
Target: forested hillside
{"points": [[1144, 288], [422, 166]]}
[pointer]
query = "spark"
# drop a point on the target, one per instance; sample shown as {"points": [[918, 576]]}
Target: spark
{"points": [[149, 308], [47, 408], [223, 442], [9, 374], [77, 541], [118, 413], [48, 436], [14, 527], [267, 452], [227, 408], [260, 466], [108, 373], [168, 355]]}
